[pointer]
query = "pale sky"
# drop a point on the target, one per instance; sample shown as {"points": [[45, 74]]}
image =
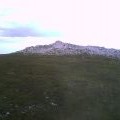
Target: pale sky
{"points": [[34, 22]]}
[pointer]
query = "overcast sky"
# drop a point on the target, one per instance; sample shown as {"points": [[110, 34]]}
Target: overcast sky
{"points": [[85, 22]]}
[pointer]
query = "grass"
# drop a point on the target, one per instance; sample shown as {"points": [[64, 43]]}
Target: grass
{"points": [[59, 88]]}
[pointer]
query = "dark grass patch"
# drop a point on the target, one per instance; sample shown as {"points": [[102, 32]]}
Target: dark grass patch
{"points": [[59, 88]]}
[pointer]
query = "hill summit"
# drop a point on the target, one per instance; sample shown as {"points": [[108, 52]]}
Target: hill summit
{"points": [[61, 48]]}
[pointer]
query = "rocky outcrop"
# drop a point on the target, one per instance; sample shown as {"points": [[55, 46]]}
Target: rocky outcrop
{"points": [[61, 48]]}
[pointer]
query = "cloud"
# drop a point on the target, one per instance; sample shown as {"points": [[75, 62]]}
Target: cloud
{"points": [[20, 32]]}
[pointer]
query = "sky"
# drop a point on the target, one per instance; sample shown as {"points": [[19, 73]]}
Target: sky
{"points": [[26, 23]]}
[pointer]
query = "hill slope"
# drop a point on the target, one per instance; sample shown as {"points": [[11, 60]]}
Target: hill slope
{"points": [[60, 48], [80, 87]]}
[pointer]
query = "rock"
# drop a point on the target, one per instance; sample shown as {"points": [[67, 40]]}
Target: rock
{"points": [[60, 48]]}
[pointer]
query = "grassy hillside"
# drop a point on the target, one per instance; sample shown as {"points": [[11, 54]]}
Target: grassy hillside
{"points": [[59, 88]]}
